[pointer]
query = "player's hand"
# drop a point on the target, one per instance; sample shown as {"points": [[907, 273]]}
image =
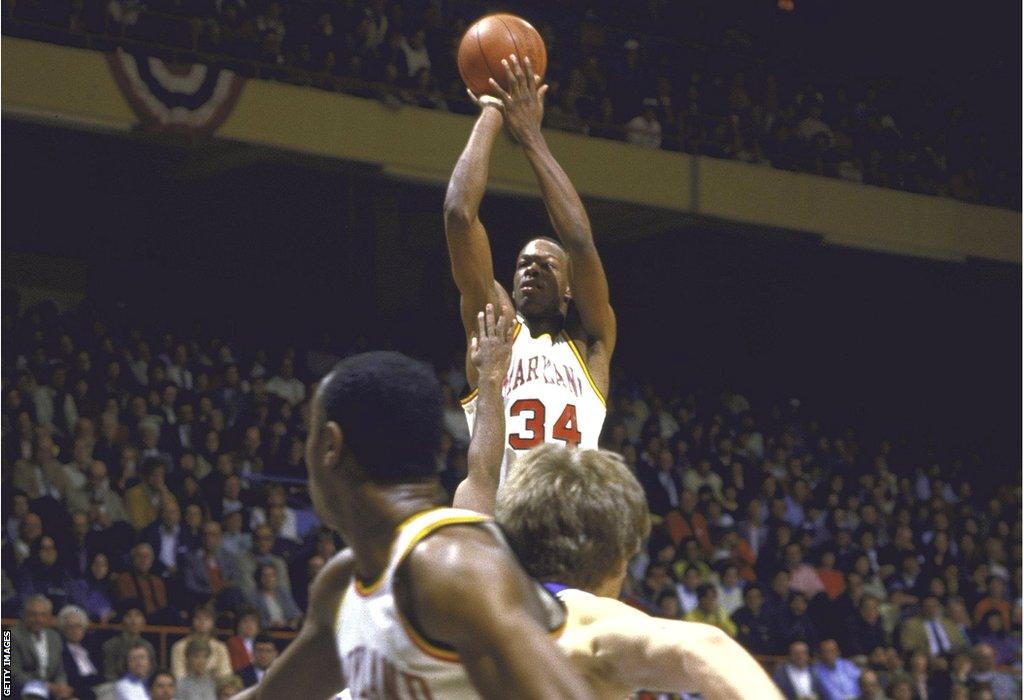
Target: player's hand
{"points": [[490, 348], [524, 100], [484, 101]]}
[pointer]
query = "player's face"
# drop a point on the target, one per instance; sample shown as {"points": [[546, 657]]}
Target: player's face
{"points": [[541, 284]]}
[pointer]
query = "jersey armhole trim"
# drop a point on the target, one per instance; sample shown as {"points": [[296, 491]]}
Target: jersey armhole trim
{"points": [[586, 370], [368, 589]]}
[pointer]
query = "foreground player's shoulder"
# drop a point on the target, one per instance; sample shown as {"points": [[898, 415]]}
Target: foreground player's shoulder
{"points": [[328, 588]]}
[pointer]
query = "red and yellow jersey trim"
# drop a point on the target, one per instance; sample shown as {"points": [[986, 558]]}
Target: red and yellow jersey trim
{"points": [[586, 370], [368, 589]]}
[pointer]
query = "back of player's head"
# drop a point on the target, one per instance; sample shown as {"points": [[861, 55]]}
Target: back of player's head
{"points": [[388, 407], [572, 516]]}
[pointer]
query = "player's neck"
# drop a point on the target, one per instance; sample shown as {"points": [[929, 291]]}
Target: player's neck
{"points": [[538, 326], [375, 511]]}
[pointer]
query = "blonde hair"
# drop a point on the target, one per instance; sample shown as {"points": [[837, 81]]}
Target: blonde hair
{"points": [[572, 516]]}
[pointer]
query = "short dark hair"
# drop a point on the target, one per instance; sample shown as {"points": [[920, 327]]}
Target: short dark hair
{"points": [[389, 407], [150, 465], [158, 674], [703, 589], [549, 239], [263, 638]]}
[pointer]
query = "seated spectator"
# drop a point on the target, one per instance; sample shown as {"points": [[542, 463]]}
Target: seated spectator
{"points": [[43, 573], [211, 571], [168, 540], [908, 585], [995, 599], [836, 675], [864, 631], [709, 611], [162, 686], [140, 588], [802, 576], [686, 521], [264, 654], [794, 677], [924, 683], [236, 540], [115, 650], [240, 646], [644, 130], [232, 497], [134, 684], [754, 627], [142, 501], [687, 590], [1002, 685], [276, 605], [79, 656], [994, 634], [105, 508], [219, 662], [36, 651], [703, 476], [795, 623], [229, 686], [931, 632], [833, 580], [275, 496], [249, 562], [197, 683], [730, 589]]}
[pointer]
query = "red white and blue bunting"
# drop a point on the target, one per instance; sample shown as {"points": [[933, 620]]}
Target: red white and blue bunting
{"points": [[175, 98]]}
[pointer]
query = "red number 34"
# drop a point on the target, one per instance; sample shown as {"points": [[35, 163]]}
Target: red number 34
{"points": [[564, 429]]}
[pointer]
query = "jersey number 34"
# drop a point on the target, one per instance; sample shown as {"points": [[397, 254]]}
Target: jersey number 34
{"points": [[564, 428]]}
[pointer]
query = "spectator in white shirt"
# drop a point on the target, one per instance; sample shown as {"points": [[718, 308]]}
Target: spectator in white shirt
{"points": [[285, 385], [645, 130], [132, 685], [415, 50], [178, 371]]}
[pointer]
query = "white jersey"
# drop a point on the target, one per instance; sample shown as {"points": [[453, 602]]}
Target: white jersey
{"points": [[382, 655], [549, 396]]}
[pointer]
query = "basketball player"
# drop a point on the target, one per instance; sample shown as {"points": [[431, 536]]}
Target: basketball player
{"points": [[558, 378], [428, 602], [576, 518]]}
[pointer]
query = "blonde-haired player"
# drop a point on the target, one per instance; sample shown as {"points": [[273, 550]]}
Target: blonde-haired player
{"points": [[575, 518]]}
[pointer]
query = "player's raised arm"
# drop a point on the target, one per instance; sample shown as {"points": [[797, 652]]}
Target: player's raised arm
{"points": [[490, 350], [309, 667], [670, 655], [523, 107], [464, 590], [468, 247]]}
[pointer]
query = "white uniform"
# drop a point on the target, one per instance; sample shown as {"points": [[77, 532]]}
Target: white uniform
{"points": [[549, 396], [382, 655]]}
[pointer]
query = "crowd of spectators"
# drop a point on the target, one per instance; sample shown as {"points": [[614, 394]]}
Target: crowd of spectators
{"points": [[156, 479], [642, 75]]}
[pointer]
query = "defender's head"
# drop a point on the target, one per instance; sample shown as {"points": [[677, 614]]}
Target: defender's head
{"points": [[376, 417], [540, 288], [575, 517]]}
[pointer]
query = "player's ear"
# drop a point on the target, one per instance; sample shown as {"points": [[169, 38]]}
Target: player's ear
{"points": [[335, 439]]}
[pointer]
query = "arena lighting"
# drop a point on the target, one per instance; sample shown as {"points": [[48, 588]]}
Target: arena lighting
{"points": [[786, 5]]}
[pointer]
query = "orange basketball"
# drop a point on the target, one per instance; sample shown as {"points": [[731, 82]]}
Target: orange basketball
{"points": [[493, 38]]}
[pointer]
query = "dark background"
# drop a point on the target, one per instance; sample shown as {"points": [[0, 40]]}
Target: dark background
{"points": [[272, 249]]}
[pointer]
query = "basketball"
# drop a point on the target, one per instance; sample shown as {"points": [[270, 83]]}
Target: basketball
{"points": [[493, 38]]}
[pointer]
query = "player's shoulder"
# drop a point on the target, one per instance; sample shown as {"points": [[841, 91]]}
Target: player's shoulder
{"points": [[329, 585], [586, 608]]}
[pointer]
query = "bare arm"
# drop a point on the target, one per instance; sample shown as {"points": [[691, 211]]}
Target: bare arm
{"points": [[490, 352], [639, 651], [309, 667], [468, 247], [524, 109], [468, 593]]}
